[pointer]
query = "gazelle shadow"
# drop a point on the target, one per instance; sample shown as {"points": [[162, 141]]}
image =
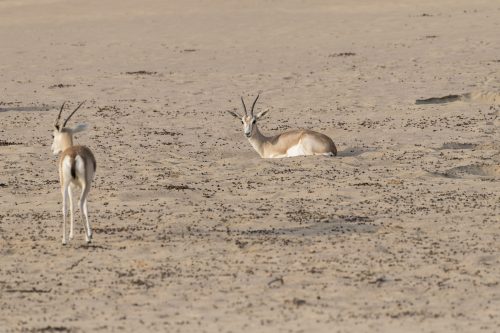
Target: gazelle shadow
{"points": [[355, 151], [322, 228]]}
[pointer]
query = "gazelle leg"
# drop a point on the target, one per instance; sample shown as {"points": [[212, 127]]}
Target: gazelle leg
{"points": [[87, 219], [71, 208], [65, 211], [85, 216]]}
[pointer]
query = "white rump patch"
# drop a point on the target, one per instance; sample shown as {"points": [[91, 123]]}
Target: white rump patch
{"points": [[80, 168], [66, 169], [296, 150], [79, 171]]}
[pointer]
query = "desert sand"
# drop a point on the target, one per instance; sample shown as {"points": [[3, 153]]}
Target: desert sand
{"points": [[193, 231]]}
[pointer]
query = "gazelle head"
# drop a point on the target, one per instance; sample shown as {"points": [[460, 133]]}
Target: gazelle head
{"points": [[62, 135], [249, 121]]}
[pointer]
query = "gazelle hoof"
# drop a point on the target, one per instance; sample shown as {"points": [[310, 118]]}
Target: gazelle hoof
{"points": [[63, 242]]}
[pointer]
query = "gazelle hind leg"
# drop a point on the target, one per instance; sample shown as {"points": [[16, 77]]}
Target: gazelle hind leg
{"points": [[89, 229], [84, 213], [65, 211], [71, 216]]}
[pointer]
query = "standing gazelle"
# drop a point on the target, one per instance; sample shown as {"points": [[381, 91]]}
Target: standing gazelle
{"points": [[299, 142], [77, 168]]}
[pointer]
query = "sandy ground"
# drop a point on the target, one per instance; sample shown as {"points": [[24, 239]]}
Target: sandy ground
{"points": [[193, 231]]}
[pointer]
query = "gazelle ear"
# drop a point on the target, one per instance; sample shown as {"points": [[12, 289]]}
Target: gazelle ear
{"points": [[262, 114], [79, 128], [234, 114]]}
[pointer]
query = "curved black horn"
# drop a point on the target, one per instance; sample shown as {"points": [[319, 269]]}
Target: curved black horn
{"points": [[72, 113], [59, 116], [253, 105], [244, 106]]}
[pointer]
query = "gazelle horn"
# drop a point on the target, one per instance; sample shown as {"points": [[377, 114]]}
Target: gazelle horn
{"points": [[244, 106], [253, 105], [56, 124], [72, 113]]}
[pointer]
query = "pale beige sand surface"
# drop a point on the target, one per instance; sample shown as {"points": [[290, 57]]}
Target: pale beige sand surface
{"points": [[193, 232]]}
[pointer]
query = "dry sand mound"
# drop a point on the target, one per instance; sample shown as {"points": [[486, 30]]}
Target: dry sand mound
{"points": [[486, 171], [478, 96]]}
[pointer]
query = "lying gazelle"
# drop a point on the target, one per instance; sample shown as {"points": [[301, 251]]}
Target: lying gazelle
{"points": [[77, 168], [297, 142]]}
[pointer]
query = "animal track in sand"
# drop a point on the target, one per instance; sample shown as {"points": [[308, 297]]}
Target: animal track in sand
{"points": [[342, 54], [457, 145], [7, 143], [26, 108], [61, 85], [142, 72]]}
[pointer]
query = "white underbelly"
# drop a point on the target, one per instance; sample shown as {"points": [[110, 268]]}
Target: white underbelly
{"points": [[296, 150]]}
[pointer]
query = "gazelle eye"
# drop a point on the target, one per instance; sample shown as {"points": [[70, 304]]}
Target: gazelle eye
{"points": [[253, 121]]}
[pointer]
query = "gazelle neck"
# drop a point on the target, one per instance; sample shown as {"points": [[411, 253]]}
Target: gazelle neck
{"points": [[66, 141], [257, 140]]}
